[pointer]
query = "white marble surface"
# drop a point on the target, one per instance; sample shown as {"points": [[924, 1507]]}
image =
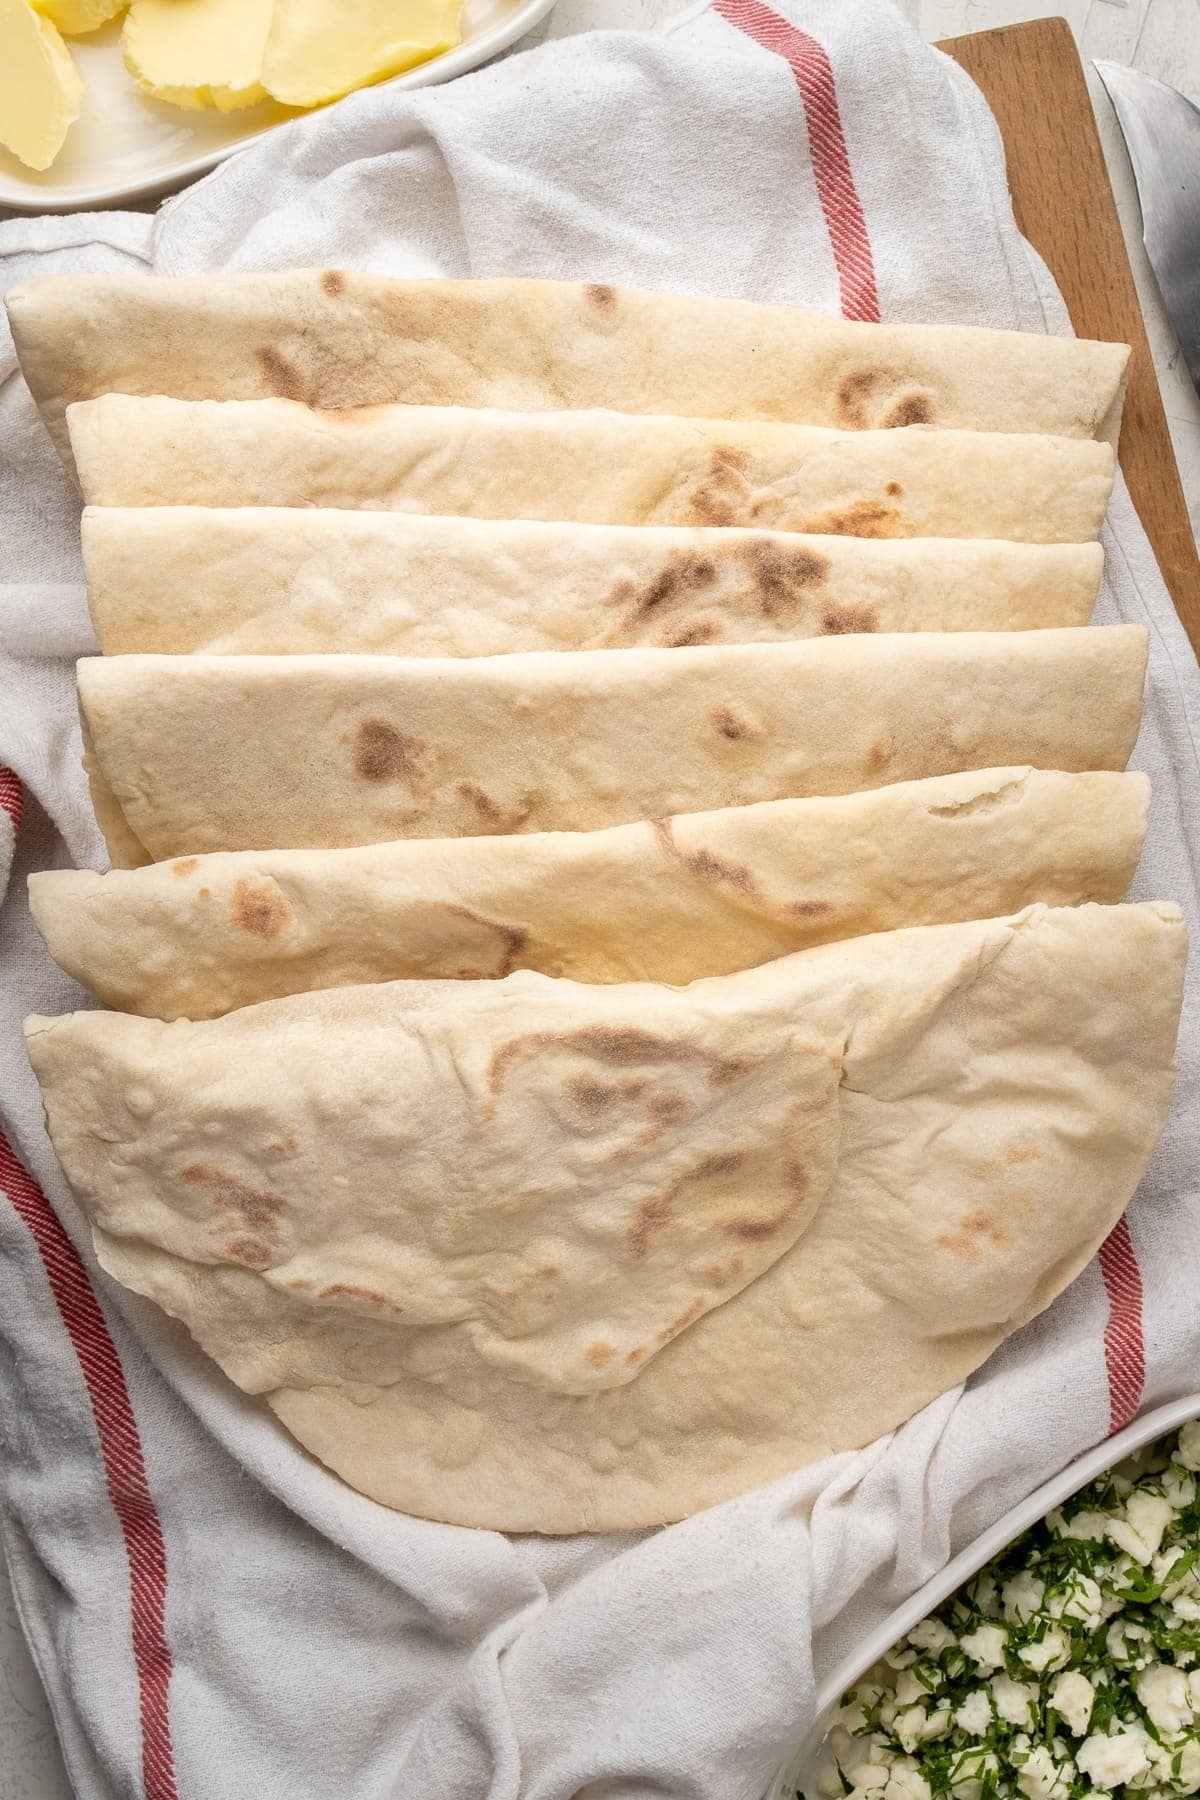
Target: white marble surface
{"points": [[1160, 36]]}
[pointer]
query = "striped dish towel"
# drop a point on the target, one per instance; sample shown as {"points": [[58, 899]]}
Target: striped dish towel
{"points": [[214, 1615]]}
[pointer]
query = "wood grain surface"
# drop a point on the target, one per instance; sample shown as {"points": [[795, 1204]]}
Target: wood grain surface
{"points": [[1032, 78]]}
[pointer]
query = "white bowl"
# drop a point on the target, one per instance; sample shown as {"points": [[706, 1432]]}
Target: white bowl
{"points": [[968, 1562]]}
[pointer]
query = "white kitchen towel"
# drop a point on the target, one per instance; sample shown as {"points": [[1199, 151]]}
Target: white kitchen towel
{"points": [[216, 1617]]}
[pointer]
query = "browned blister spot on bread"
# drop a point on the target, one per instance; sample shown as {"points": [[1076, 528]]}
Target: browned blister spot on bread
{"points": [[655, 1213], [731, 724], [705, 864], [253, 1252], [598, 1354], [864, 517], [483, 803], [706, 630], [185, 865], [680, 575], [722, 495], [757, 1230], [381, 753], [783, 574], [595, 1100], [908, 409], [333, 283], [600, 295], [250, 1216], [349, 1290], [510, 939], [881, 399], [260, 907], [682, 1320], [282, 377], [976, 1233], [836, 620]]}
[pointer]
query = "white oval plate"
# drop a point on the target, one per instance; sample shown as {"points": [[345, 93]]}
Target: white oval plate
{"points": [[960, 1568], [124, 147]]}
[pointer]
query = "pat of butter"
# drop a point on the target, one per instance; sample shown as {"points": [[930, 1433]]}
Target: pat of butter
{"points": [[40, 89], [74, 17], [198, 52], [318, 49]]}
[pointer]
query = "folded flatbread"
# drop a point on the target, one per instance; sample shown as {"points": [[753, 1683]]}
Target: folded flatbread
{"points": [[546, 1257], [194, 753], [333, 337], [601, 468], [272, 581], [702, 894]]}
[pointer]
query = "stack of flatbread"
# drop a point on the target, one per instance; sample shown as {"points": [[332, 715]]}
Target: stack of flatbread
{"points": [[618, 829]]}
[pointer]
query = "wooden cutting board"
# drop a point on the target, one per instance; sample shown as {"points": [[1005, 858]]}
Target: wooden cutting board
{"points": [[1033, 80]]}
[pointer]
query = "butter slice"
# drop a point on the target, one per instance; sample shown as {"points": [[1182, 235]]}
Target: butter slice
{"points": [[318, 49], [40, 89], [74, 17], [198, 52]]}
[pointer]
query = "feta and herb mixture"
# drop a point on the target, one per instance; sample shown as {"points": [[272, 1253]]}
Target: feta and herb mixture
{"points": [[1069, 1667]]}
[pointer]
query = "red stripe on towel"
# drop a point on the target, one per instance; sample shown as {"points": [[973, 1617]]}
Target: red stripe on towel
{"points": [[12, 797], [121, 1453], [1124, 1346], [847, 226]]}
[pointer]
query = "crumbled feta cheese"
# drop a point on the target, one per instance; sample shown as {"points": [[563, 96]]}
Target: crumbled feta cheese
{"points": [[1187, 1778], [1161, 1569], [910, 1727], [984, 1593], [1104, 1634], [871, 1775], [985, 1646], [1140, 1533], [1179, 1488], [1079, 1600], [1163, 1691], [1052, 1651], [975, 1713], [906, 1783], [1127, 1645], [1187, 1451], [1072, 1697], [967, 1770], [1041, 1778], [1013, 1700], [1086, 1525], [1022, 1596], [1113, 1761]]}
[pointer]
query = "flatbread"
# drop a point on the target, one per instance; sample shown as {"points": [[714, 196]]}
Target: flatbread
{"points": [[275, 581], [600, 468], [545, 1257], [195, 753], [703, 894], [333, 337]]}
